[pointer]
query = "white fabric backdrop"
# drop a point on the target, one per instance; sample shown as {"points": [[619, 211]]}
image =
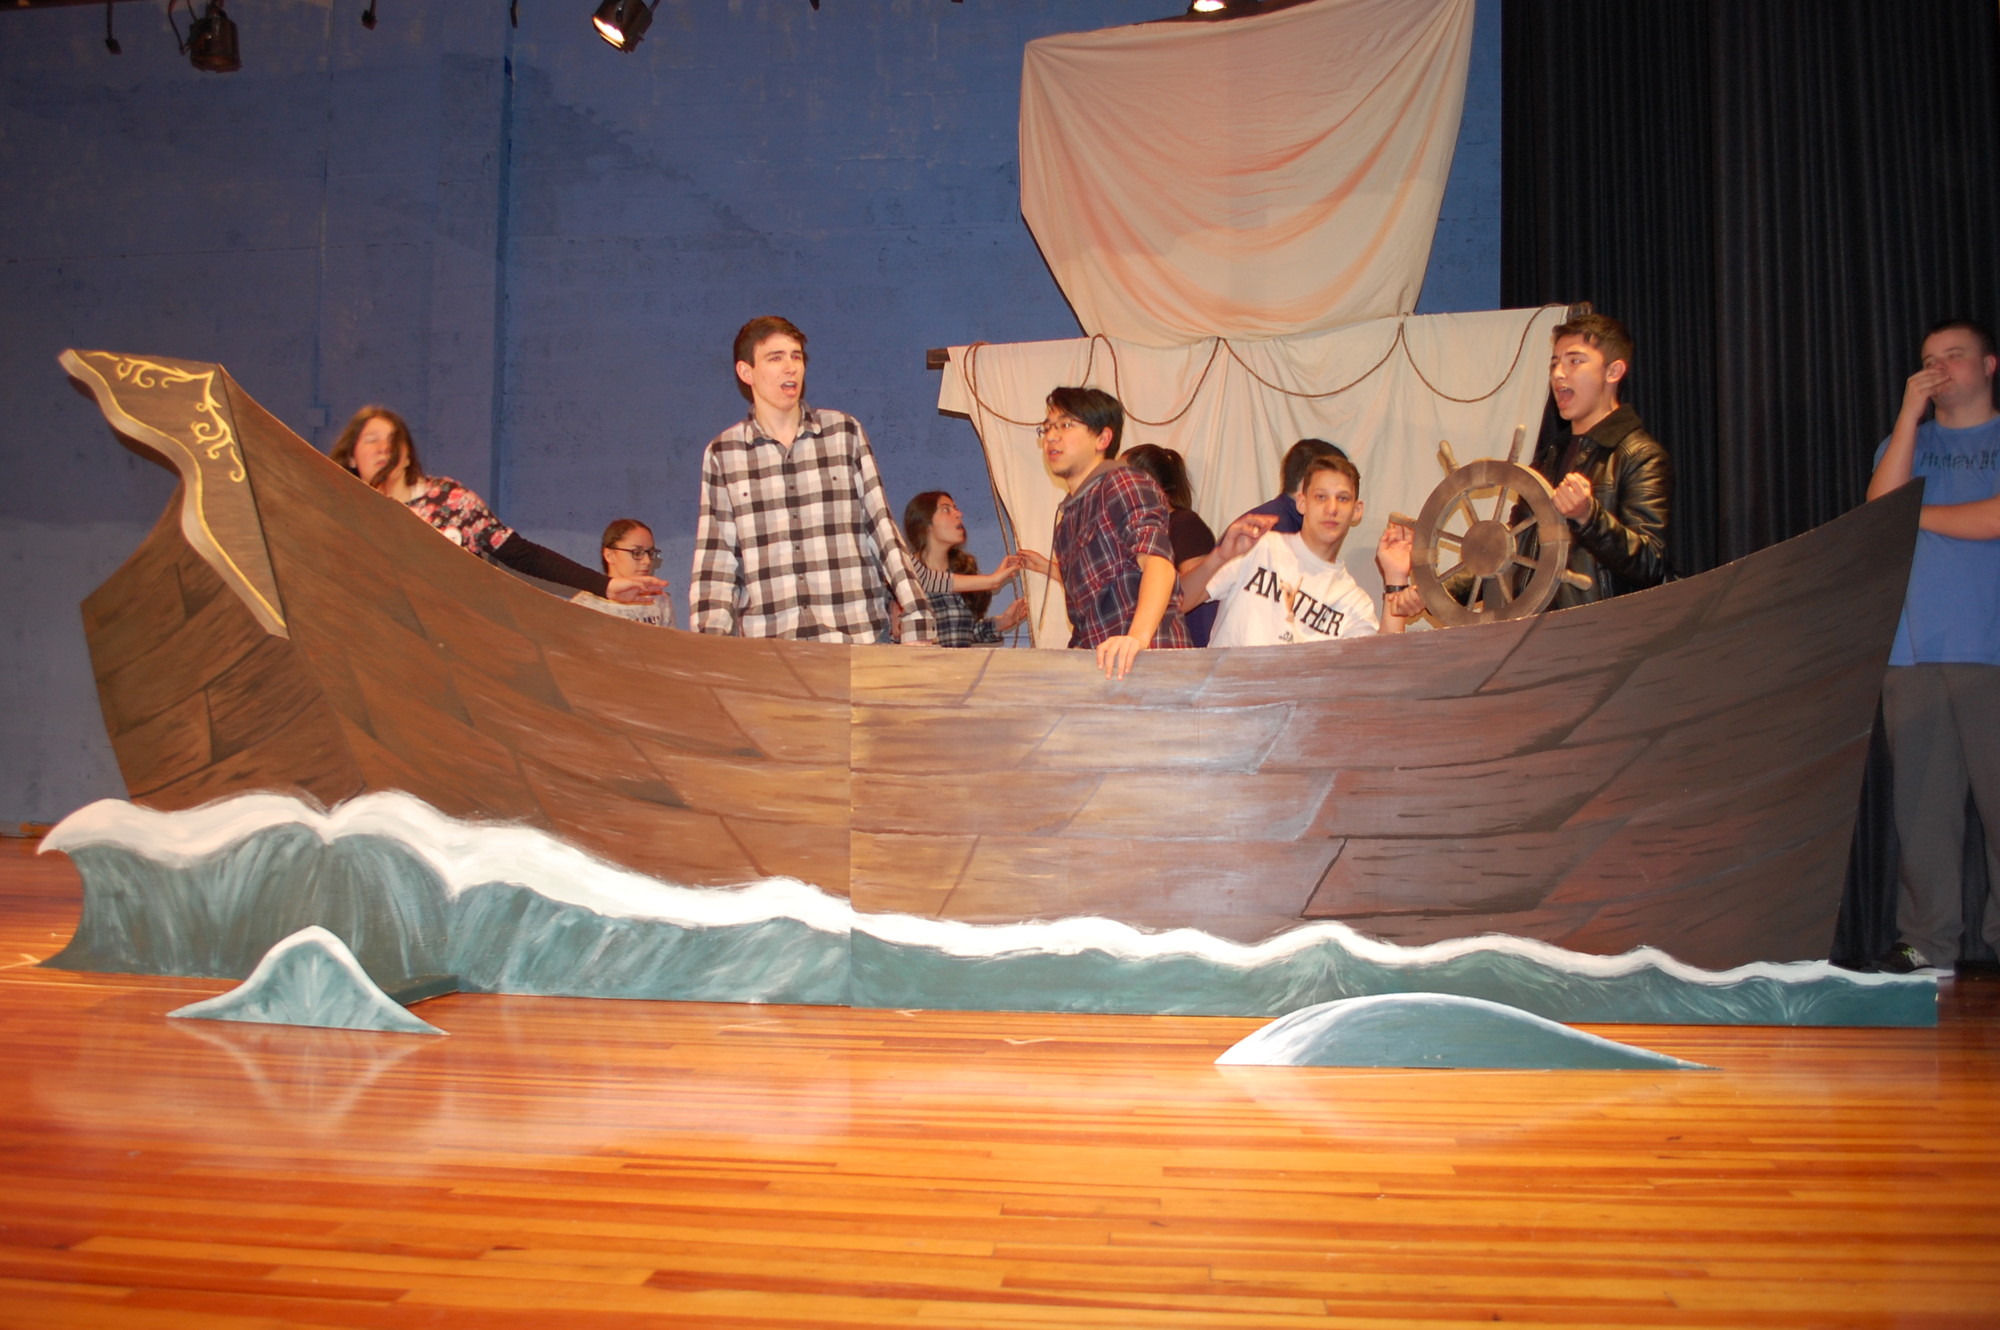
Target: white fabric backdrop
{"points": [[1269, 175], [1234, 430]]}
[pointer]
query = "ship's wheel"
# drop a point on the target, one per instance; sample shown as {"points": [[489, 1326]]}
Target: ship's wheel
{"points": [[1467, 561]]}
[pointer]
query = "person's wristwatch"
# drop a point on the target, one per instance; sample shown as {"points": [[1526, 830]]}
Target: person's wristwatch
{"points": [[1388, 590]]}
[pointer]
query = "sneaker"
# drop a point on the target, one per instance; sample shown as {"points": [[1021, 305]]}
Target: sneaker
{"points": [[1906, 959]]}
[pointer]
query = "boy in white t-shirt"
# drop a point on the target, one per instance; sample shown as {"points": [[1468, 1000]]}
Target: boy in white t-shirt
{"points": [[1276, 588]]}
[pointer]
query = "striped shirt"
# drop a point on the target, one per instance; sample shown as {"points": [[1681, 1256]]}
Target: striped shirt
{"points": [[659, 612], [798, 542]]}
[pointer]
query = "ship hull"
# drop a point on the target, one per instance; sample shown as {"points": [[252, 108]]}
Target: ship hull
{"points": [[1676, 768]]}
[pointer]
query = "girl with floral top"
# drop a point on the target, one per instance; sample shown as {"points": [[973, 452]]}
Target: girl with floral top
{"points": [[376, 446], [957, 592]]}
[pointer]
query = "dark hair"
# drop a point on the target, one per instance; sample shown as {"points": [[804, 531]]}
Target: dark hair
{"points": [[1601, 331], [1338, 463], [399, 435], [1300, 457], [917, 516], [616, 532], [1097, 409], [752, 334], [1976, 329], [1166, 466]]}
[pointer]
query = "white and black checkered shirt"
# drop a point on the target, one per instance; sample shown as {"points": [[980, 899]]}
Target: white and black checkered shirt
{"points": [[798, 542]]}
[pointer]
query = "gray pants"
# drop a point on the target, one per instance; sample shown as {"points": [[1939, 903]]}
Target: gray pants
{"points": [[1944, 736]]}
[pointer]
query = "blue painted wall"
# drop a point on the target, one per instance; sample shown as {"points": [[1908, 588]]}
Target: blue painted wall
{"points": [[534, 246]]}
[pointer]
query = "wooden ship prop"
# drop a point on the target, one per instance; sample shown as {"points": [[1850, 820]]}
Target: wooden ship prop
{"points": [[1675, 769]]}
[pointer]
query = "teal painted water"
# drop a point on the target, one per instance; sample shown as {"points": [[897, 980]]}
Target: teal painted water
{"points": [[508, 909]]}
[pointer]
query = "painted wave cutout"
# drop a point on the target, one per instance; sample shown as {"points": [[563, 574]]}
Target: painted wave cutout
{"points": [[511, 909], [1436, 1030], [309, 978]]}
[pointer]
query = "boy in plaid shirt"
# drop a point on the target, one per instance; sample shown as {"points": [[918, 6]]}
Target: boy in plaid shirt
{"points": [[795, 537], [1111, 552]]}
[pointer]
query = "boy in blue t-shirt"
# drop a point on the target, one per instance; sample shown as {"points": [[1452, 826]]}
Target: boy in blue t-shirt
{"points": [[1941, 696]]}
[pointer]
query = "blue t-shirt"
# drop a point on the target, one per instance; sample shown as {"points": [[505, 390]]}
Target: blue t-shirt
{"points": [[1951, 614], [1286, 509]]}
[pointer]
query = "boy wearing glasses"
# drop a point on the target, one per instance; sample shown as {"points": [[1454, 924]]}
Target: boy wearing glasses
{"points": [[1111, 552]]}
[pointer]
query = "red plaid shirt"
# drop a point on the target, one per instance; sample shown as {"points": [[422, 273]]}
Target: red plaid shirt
{"points": [[1102, 531]]}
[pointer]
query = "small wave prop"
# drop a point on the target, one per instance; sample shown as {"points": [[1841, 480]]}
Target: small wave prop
{"points": [[1436, 1030], [309, 978]]}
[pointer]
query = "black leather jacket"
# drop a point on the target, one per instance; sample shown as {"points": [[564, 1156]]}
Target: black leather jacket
{"points": [[1622, 545]]}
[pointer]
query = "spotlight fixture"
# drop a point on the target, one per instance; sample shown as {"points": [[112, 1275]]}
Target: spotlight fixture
{"points": [[211, 41], [623, 22], [1222, 8], [110, 37], [368, 16]]}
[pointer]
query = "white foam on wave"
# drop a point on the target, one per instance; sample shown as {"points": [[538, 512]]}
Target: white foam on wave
{"points": [[1068, 937], [463, 855], [469, 854]]}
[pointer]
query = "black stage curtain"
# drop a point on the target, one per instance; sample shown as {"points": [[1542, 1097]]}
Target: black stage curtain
{"points": [[1778, 198]]}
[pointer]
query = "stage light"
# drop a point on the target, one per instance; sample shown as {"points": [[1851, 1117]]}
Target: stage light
{"points": [[110, 37], [1206, 7], [211, 40], [1222, 8], [623, 22], [368, 16]]}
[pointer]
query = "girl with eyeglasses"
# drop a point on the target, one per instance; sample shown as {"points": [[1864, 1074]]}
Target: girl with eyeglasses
{"points": [[628, 551]]}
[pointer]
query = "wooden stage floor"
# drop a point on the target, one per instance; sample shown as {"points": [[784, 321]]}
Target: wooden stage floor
{"points": [[562, 1162]]}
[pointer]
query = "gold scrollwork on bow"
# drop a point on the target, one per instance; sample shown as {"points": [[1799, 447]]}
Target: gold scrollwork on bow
{"points": [[213, 435]]}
